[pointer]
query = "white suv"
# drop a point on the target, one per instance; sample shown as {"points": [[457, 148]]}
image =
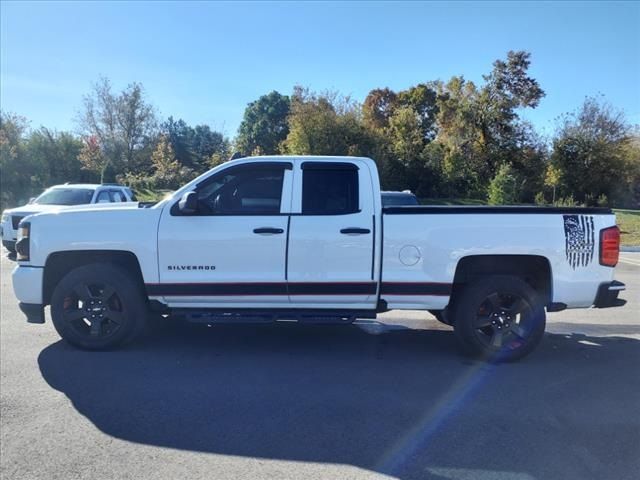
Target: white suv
{"points": [[60, 196]]}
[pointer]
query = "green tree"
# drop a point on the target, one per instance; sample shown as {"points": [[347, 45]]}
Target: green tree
{"points": [[590, 150], [552, 179], [124, 123], [326, 124], [194, 146], [91, 158], [264, 124], [168, 172], [378, 107], [480, 130], [56, 154], [17, 171], [422, 98], [503, 187]]}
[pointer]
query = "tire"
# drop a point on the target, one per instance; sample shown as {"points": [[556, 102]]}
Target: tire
{"points": [[98, 307], [498, 318]]}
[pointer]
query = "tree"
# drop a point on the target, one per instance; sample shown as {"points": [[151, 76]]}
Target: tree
{"points": [[194, 146], [503, 187], [17, 169], [552, 179], [264, 124], [479, 127], [168, 172], [326, 124], [92, 159], [56, 154], [378, 107], [123, 123], [590, 150], [422, 98]]}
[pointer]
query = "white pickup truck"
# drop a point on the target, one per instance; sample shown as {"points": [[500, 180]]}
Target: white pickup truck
{"points": [[307, 239]]}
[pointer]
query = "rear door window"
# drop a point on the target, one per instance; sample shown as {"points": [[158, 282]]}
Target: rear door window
{"points": [[329, 189]]}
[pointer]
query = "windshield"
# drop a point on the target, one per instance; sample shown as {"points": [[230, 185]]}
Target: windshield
{"points": [[65, 196]]}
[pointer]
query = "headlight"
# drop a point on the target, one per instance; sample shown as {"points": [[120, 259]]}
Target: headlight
{"points": [[22, 245]]}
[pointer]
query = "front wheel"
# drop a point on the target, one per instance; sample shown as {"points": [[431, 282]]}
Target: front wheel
{"points": [[97, 307], [499, 318]]}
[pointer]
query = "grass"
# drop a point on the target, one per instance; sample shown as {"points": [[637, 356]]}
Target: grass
{"points": [[629, 223], [145, 195]]}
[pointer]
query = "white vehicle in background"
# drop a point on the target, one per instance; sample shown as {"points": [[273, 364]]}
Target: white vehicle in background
{"points": [[60, 196], [398, 199]]}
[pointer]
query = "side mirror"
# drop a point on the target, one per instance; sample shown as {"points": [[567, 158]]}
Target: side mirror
{"points": [[188, 204], [31, 200]]}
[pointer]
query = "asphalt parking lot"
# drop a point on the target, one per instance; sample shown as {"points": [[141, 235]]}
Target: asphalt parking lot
{"points": [[387, 399]]}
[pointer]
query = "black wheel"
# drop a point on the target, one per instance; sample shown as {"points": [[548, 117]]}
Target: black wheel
{"points": [[97, 307], [499, 318]]}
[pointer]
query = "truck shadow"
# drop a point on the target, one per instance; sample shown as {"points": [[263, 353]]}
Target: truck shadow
{"points": [[383, 398]]}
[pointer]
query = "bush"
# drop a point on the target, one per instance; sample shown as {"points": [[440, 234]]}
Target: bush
{"points": [[502, 189]]}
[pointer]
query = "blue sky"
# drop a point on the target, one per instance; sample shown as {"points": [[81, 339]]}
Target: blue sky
{"points": [[204, 61]]}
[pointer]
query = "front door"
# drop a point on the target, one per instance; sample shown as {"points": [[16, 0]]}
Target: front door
{"points": [[331, 239], [231, 252]]}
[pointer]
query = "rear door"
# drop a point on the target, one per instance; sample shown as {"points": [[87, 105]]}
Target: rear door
{"points": [[331, 237]]}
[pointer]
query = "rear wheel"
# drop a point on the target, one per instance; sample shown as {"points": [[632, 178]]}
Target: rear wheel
{"points": [[499, 318], [97, 307]]}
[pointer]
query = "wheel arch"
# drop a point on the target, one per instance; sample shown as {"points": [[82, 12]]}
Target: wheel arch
{"points": [[58, 264], [535, 270]]}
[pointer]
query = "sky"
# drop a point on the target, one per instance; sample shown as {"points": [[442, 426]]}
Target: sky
{"points": [[205, 61]]}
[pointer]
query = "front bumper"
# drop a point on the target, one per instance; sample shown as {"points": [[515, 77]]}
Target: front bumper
{"points": [[607, 295], [28, 284]]}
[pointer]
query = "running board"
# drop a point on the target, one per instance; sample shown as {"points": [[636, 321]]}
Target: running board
{"points": [[310, 316]]}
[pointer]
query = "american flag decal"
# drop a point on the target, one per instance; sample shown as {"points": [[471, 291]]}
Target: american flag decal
{"points": [[579, 239]]}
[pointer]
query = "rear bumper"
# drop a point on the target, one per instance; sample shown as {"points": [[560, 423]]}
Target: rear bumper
{"points": [[33, 311], [607, 295]]}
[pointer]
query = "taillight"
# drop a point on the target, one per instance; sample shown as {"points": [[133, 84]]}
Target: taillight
{"points": [[609, 246]]}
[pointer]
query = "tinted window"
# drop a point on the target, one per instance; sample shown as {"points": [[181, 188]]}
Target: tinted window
{"points": [[242, 191], [103, 197], [329, 192], [397, 199], [117, 196], [65, 196]]}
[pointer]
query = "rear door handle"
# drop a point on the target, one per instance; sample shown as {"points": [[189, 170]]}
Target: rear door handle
{"points": [[268, 230], [355, 231]]}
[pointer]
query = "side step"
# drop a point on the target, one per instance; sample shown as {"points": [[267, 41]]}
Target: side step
{"points": [[309, 316]]}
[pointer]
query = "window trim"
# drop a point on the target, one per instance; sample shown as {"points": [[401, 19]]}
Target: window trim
{"points": [[329, 166], [175, 211]]}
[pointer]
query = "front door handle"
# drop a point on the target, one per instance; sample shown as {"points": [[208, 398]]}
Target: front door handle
{"points": [[355, 231], [268, 230]]}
